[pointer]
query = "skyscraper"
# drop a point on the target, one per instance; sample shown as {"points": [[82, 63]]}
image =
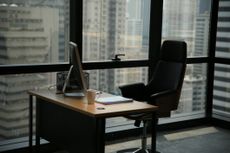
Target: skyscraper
{"points": [[103, 37], [145, 15], [221, 96], [62, 6], [112, 27], [27, 35], [200, 70], [188, 20]]}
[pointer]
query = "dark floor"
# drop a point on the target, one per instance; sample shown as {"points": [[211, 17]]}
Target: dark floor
{"points": [[216, 140]]}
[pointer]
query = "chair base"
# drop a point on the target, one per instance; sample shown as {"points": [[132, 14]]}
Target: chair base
{"points": [[135, 150]]}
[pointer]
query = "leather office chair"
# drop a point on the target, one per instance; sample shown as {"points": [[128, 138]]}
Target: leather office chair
{"points": [[163, 89]]}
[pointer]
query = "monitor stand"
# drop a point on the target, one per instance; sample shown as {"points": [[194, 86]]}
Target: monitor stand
{"points": [[78, 93]]}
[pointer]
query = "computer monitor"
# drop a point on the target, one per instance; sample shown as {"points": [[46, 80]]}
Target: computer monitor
{"points": [[74, 85]]}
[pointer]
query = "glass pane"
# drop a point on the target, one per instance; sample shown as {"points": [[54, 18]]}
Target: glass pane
{"points": [[115, 27], [192, 102], [109, 81], [223, 30], [14, 105], [34, 31], [187, 20], [193, 95], [221, 96]]}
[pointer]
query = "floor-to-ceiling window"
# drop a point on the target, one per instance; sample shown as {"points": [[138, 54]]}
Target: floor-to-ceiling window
{"points": [[112, 27], [122, 27], [31, 32], [37, 32], [189, 21], [221, 89]]}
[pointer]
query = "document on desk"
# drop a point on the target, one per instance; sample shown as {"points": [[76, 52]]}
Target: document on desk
{"points": [[113, 100]]}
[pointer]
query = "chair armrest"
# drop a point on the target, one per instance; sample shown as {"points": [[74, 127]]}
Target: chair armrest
{"points": [[134, 91], [166, 101], [163, 93]]}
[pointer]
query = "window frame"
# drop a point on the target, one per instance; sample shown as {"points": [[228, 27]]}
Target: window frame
{"points": [[155, 35], [156, 8]]}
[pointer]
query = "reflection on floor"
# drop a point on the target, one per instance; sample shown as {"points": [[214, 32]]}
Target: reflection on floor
{"points": [[199, 140]]}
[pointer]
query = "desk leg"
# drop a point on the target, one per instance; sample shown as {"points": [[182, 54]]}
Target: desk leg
{"points": [[30, 123], [37, 133], [154, 133], [100, 141]]}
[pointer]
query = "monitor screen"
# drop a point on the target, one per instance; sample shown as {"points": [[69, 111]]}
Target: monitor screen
{"points": [[74, 82]]}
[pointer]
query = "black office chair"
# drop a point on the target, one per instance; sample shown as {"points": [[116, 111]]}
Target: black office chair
{"points": [[163, 89]]}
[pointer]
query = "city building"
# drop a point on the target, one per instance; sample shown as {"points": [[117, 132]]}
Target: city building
{"points": [[188, 20], [27, 35], [34, 46], [103, 37], [221, 96], [62, 6]]}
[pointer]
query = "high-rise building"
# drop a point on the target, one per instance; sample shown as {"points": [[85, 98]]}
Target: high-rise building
{"points": [[200, 70], [145, 16], [103, 37], [133, 46], [179, 18], [113, 27], [188, 20], [221, 96], [62, 6], [178, 24], [185, 104], [27, 35]]}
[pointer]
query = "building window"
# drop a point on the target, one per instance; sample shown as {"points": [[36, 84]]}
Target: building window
{"points": [[14, 105], [30, 19], [109, 80], [189, 21], [221, 105], [31, 32], [221, 89]]}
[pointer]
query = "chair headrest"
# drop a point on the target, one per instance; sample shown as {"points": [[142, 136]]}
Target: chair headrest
{"points": [[174, 51]]}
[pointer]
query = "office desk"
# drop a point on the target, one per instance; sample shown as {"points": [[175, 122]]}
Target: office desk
{"points": [[76, 126]]}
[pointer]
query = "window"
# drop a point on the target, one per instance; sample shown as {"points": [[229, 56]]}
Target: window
{"points": [[221, 97], [115, 27], [33, 32], [14, 104], [188, 20], [223, 30], [193, 96], [109, 80], [221, 105]]}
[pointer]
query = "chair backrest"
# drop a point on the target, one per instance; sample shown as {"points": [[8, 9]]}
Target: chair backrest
{"points": [[169, 72]]}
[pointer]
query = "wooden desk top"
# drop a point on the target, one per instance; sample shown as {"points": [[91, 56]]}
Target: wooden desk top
{"points": [[96, 109]]}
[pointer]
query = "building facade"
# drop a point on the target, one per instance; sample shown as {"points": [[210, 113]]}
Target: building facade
{"points": [[221, 97], [188, 20], [27, 35]]}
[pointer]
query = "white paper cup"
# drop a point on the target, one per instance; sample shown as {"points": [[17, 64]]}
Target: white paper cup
{"points": [[91, 95]]}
